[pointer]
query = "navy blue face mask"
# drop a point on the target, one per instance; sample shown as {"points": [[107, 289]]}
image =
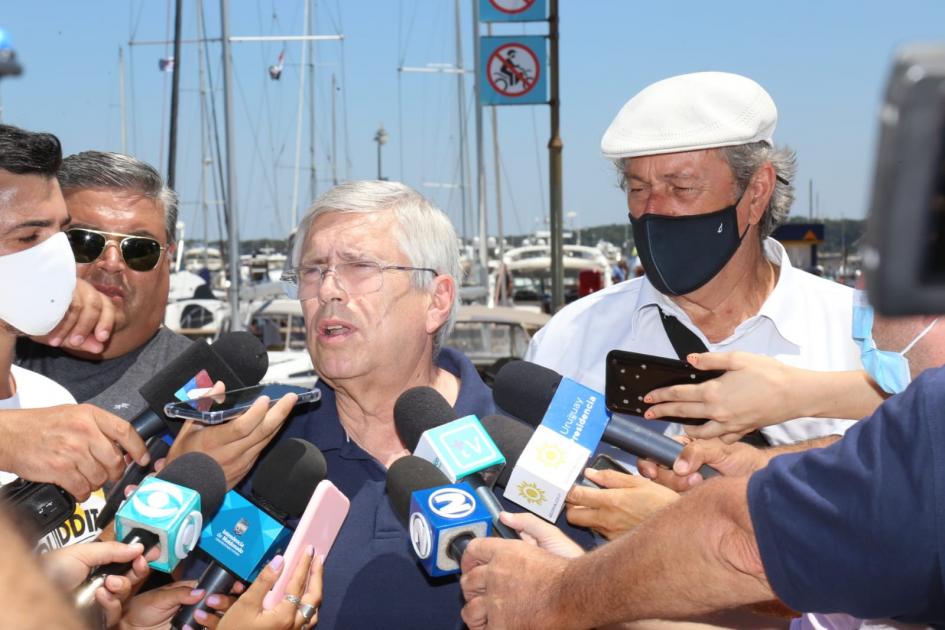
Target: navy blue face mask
{"points": [[680, 254]]}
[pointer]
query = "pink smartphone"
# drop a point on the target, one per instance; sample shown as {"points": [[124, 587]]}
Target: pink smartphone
{"points": [[323, 516]]}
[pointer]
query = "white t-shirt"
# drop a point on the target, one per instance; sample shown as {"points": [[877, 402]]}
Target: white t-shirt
{"points": [[34, 391], [804, 322]]}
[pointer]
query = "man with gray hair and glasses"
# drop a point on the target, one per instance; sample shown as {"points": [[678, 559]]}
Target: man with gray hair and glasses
{"points": [[122, 231], [376, 269]]}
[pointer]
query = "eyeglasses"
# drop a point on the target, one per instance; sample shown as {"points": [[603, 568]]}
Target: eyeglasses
{"points": [[140, 253], [356, 278]]}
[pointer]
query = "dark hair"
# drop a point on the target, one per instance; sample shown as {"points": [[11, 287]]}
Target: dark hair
{"points": [[27, 153]]}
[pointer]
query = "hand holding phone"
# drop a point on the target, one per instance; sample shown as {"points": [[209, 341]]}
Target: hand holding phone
{"points": [[216, 408], [319, 525], [631, 376]]}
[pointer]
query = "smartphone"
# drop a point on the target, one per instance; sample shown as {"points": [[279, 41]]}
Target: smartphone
{"points": [[604, 462], [219, 408], [320, 523], [631, 376]]}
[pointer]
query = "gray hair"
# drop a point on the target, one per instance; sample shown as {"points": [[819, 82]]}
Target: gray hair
{"points": [[745, 160], [114, 171], [425, 234]]}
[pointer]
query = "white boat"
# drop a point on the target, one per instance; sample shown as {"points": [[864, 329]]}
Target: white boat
{"points": [[586, 270]]}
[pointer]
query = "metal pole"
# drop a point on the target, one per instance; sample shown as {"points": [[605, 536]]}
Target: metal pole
{"points": [[121, 99], [461, 98], [298, 125], [480, 164], [204, 135], [175, 98], [555, 145], [312, 175], [232, 224], [497, 167], [334, 136]]}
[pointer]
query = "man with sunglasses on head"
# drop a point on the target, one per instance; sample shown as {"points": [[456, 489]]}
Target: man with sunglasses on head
{"points": [[122, 234], [43, 436]]}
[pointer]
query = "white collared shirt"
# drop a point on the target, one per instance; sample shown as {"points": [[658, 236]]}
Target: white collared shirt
{"points": [[804, 322]]}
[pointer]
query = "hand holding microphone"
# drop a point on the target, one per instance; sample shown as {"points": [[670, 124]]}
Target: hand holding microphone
{"points": [[166, 512], [72, 446], [526, 390], [70, 566]]}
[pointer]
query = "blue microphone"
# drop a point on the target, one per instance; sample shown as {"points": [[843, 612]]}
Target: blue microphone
{"points": [[461, 448], [441, 518], [532, 392], [166, 511], [247, 533]]}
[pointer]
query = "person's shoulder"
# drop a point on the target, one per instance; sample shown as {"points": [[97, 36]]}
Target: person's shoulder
{"points": [[819, 287], [584, 310], [36, 390], [171, 339]]}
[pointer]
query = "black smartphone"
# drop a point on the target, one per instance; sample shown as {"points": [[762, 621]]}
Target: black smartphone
{"points": [[604, 462], [630, 376]]}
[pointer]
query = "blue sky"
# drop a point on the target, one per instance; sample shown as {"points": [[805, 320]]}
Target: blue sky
{"points": [[824, 63]]}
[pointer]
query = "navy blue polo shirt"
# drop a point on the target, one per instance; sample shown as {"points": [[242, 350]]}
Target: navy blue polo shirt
{"points": [[372, 578], [859, 527]]}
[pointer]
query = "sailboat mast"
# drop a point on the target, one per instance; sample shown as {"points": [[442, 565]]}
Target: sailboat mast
{"points": [[175, 99], [312, 175], [334, 135], [121, 99], [298, 123], [233, 292]]}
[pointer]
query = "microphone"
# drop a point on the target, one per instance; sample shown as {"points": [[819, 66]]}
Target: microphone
{"points": [[442, 518], [246, 534], [461, 448], [237, 358], [166, 511], [527, 390]]}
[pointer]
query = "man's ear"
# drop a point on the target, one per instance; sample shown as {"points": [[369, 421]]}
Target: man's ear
{"points": [[442, 296], [760, 189], [171, 254]]}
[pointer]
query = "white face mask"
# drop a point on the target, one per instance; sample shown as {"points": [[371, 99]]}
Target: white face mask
{"points": [[36, 285]]}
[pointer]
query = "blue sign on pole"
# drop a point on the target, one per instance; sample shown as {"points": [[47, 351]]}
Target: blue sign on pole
{"points": [[512, 10], [512, 70]]}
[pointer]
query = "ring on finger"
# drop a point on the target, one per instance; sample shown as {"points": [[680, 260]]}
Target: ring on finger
{"points": [[308, 611], [295, 599]]}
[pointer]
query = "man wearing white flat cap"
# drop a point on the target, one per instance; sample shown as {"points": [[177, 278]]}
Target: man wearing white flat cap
{"points": [[705, 188]]}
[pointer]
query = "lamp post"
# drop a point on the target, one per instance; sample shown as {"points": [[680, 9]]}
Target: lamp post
{"points": [[381, 139]]}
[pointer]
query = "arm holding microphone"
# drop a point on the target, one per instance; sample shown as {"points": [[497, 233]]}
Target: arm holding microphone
{"points": [[155, 608], [70, 566], [519, 586], [73, 446]]}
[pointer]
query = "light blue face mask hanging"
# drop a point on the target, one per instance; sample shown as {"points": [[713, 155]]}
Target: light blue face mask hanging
{"points": [[890, 370]]}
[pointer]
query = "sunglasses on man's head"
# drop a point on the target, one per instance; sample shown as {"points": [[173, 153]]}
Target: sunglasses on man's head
{"points": [[141, 253]]}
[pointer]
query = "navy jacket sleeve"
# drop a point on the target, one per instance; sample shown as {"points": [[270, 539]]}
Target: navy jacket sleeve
{"points": [[859, 527]]}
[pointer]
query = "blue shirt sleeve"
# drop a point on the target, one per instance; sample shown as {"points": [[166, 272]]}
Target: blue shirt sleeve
{"points": [[858, 527]]}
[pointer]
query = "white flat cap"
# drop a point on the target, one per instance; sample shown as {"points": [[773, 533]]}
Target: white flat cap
{"points": [[691, 112]]}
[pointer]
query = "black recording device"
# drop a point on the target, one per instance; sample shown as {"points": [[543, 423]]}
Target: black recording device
{"points": [[43, 505], [631, 376], [905, 253]]}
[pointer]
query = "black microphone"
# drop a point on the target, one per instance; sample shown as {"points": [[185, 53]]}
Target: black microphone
{"points": [[422, 408], [282, 486], [150, 519], [237, 358], [526, 390], [408, 475]]}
